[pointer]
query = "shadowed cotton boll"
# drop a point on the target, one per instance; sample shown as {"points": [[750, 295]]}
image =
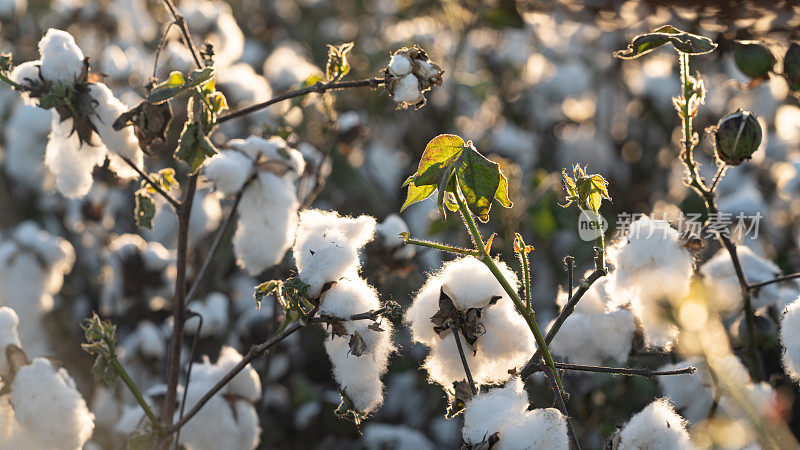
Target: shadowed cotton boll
{"points": [[656, 426], [790, 339], [390, 229], [25, 139], [9, 321], [206, 216], [506, 341], [693, 393], [378, 436], [214, 311], [120, 143], [504, 411], [652, 266], [286, 66], [215, 23], [518, 144], [71, 161], [720, 279]]}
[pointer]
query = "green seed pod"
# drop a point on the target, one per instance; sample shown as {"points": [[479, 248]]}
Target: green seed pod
{"points": [[738, 136], [791, 66], [753, 59]]}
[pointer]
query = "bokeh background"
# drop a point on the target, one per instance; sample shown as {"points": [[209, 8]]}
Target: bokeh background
{"points": [[533, 84]]}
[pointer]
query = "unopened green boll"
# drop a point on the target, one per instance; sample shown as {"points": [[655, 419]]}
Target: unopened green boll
{"points": [[738, 136], [753, 59]]}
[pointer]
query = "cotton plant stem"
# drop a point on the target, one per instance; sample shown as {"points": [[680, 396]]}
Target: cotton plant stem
{"points": [[318, 87], [529, 315], [644, 372], [526, 275], [778, 279], [456, 332], [126, 379], [443, 247], [550, 375], [187, 37], [709, 197]]}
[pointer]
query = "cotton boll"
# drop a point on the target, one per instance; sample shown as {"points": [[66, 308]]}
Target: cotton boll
{"points": [[214, 312], [151, 340], [379, 436], [25, 74], [693, 393], [486, 413], [418, 315], [267, 222], [70, 161], [11, 8], [275, 151], [656, 426], [8, 336], [723, 285], [594, 338], [444, 364], [406, 90], [317, 229], [121, 142], [760, 396], [221, 424], [390, 230], [246, 384], [790, 339], [538, 429], [228, 170], [62, 60], [49, 408], [471, 284], [329, 264], [286, 66], [348, 297], [506, 342]]}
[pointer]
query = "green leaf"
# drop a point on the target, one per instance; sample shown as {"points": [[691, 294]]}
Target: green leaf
{"points": [[145, 209], [194, 146], [6, 63], [588, 191], [337, 66], [440, 152], [416, 194], [480, 181], [683, 42]]}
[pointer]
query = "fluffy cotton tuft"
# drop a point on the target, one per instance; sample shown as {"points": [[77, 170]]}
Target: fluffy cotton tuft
{"points": [[214, 311], [504, 411], [326, 247], [228, 170], [790, 339], [720, 279], [120, 142], [8, 336], [390, 230], [379, 436], [358, 376], [62, 59], [692, 394], [656, 426], [651, 267], [48, 408], [506, 342], [406, 90], [71, 161]]}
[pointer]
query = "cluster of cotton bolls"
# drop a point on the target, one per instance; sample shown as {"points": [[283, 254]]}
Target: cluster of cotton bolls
{"points": [[652, 267], [410, 74], [67, 156], [40, 408], [503, 413], [32, 268], [268, 207], [597, 330], [135, 273], [326, 254], [500, 338]]}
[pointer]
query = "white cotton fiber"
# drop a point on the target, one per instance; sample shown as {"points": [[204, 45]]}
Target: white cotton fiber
{"points": [[62, 60], [720, 279], [70, 161], [214, 311], [406, 90], [273, 152], [228, 170], [505, 342], [380, 436], [790, 340], [505, 411], [594, 338], [25, 138], [49, 408], [657, 426], [221, 423], [121, 142], [8, 336], [390, 230], [692, 394], [400, 65]]}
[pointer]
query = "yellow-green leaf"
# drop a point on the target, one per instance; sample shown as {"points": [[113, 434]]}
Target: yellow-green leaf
{"points": [[684, 42]]}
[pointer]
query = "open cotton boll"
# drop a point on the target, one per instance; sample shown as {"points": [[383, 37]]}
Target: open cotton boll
{"points": [[691, 393], [25, 74], [221, 424], [719, 277], [400, 65], [214, 311], [318, 228], [594, 338], [267, 222], [348, 297], [273, 150], [486, 413], [8, 336], [407, 91], [150, 340], [70, 161], [329, 264], [228, 170], [286, 66], [390, 230], [790, 340], [120, 142], [379, 436], [62, 59], [246, 384], [656, 426], [538, 429], [471, 284], [49, 408]]}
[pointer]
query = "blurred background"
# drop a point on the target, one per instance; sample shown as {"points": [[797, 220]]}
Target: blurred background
{"points": [[533, 84]]}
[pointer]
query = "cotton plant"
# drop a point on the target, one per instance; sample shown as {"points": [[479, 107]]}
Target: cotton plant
{"points": [[40, 406]]}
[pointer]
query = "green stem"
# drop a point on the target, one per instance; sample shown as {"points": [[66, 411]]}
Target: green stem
{"points": [[529, 315], [526, 274], [123, 374], [442, 247], [11, 82]]}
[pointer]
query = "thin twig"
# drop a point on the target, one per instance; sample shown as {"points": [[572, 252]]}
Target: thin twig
{"points": [[318, 87], [551, 380], [190, 314], [717, 177], [134, 390], [644, 372], [442, 247], [152, 183], [320, 177], [456, 331], [187, 37], [369, 315], [778, 279], [569, 261], [160, 49]]}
